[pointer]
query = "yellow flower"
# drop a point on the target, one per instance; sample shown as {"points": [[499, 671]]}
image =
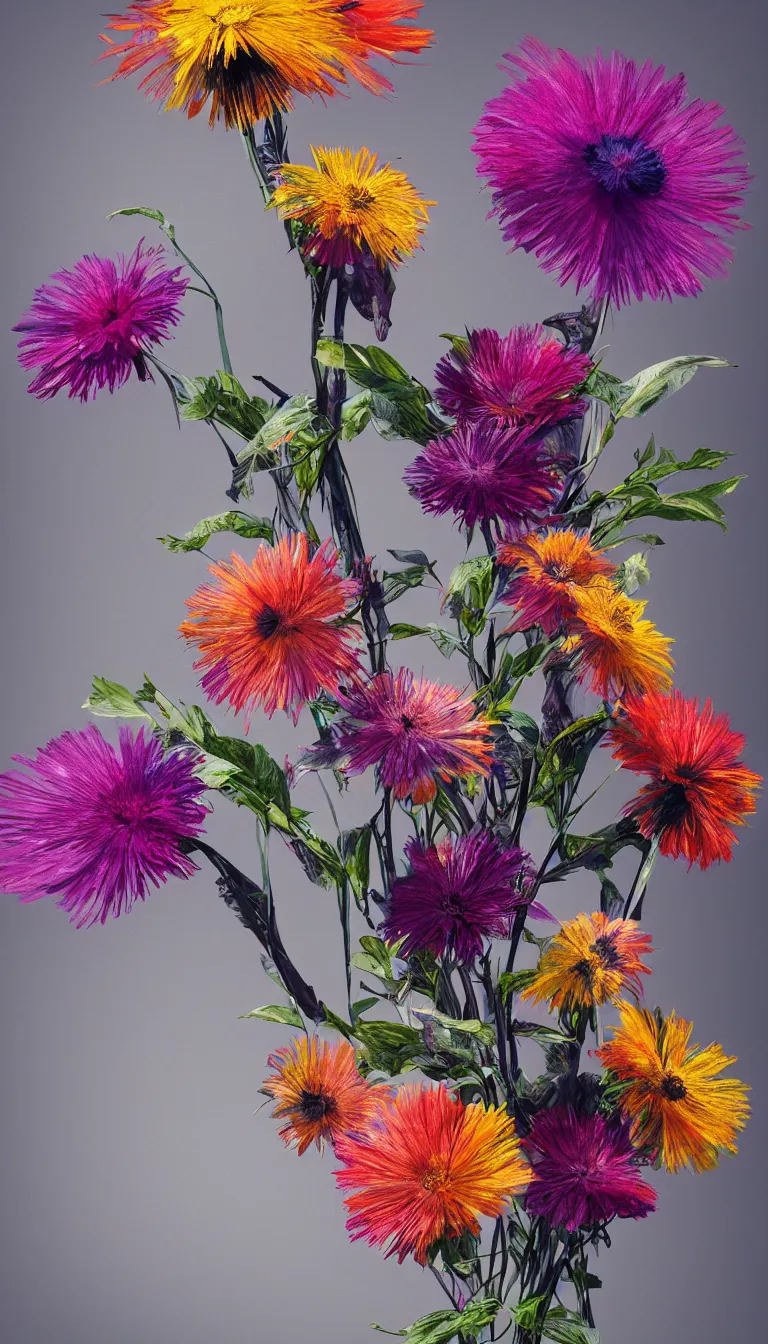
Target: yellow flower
{"points": [[591, 961], [620, 652], [351, 206], [673, 1094]]}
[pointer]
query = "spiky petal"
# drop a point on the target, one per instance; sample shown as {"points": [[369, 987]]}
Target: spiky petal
{"points": [[680, 1108], [94, 827], [428, 1168], [267, 631], [699, 788], [550, 569], [92, 326], [523, 380], [415, 732], [592, 960], [319, 1092], [484, 471], [610, 175], [457, 895], [585, 1171], [620, 652]]}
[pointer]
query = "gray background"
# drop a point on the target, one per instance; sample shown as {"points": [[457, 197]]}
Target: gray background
{"points": [[142, 1198]]}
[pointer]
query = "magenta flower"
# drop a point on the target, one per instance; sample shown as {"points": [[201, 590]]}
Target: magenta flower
{"points": [[585, 1171], [414, 732], [93, 827], [97, 322], [483, 471], [457, 895], [610, 175], [523, 379]]}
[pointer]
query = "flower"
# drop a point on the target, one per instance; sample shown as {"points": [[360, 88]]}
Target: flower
{"points": [[584, 1171], [591, 961], [457, 894], [699, 788], [319, 1092], [480, 472], [98, 321], [428, 1168], [619, 650], [93, 827], [678, 1105], [251, 56], [610, 175], [378, 26], [523, 379], [352, 207], [550, 569], [266, 629], [414, 732]]}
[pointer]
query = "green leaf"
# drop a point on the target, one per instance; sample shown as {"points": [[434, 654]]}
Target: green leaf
{"points": [[442, 639], [293, 430], [472, 578], [390, 1046], [110, 700], [398, 582], [400, 406], [525, 663], [653, 384], [514, 982], [214, 772], [276, 1012], [375, 959], [242, 524], [528, 1312], [330, 354], [148, 213], [222, 398], [355, 414], [566, 1327], [439, 1327], [687, 505], [633, 573], [484, 1032], [356, 848], [460, 343]]}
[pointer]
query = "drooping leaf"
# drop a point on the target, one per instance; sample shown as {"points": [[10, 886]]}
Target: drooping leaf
{"points": [[390, 1046], [442, 639], [400, 406], [484, 1032], [514, 982], [223, 399], [276, 1012], [566, 1327], [295, 430], [110, 700], [439, 1327], [472, 580], [242, 524]]}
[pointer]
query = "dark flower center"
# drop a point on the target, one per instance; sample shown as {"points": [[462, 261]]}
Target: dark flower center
{"points": [[129, 812], [561, 573], [316, 1106], [586, 971], [673, 1088], [359, 198], [453, 903], [239, 76], [673, 805], [622, 163], [407, 722], [269, 622], [604, 947]]}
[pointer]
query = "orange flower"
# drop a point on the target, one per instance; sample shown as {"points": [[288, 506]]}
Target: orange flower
{"points": [[620, 652], [591, 961], [251, 56], [319, 1092], [551, 569], [266, 629], [678, 1104], [429, 1168]]}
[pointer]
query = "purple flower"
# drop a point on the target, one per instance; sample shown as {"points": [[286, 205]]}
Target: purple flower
{"points": [[484, 471], [585, 1171], [610, 175], [523, 379], [457, 895], [97, 322], [413, 732], [93, 827]]}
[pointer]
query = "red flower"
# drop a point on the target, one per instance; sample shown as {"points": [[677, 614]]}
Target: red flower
{"points": [[267, 631], [699, 788], [429, 1167]]}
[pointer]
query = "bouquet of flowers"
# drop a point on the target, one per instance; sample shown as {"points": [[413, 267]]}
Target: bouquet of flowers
{"points": [[503, 1180]]}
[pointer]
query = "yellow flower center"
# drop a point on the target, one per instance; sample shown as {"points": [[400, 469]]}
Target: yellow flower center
{"points": [[436, 1176], [227, 16]]}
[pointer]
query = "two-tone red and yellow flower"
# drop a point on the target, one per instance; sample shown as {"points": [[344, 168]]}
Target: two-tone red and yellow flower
{"points": [[620, 653], [269, 632], [250, 57], [699, 789], [678, 1104], [352, 207], [429, 1167], [550, 570], [319, 1092], [592, 960]]}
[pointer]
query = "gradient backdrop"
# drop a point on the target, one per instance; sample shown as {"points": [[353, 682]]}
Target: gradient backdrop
{"points": [[143, 1200]]}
